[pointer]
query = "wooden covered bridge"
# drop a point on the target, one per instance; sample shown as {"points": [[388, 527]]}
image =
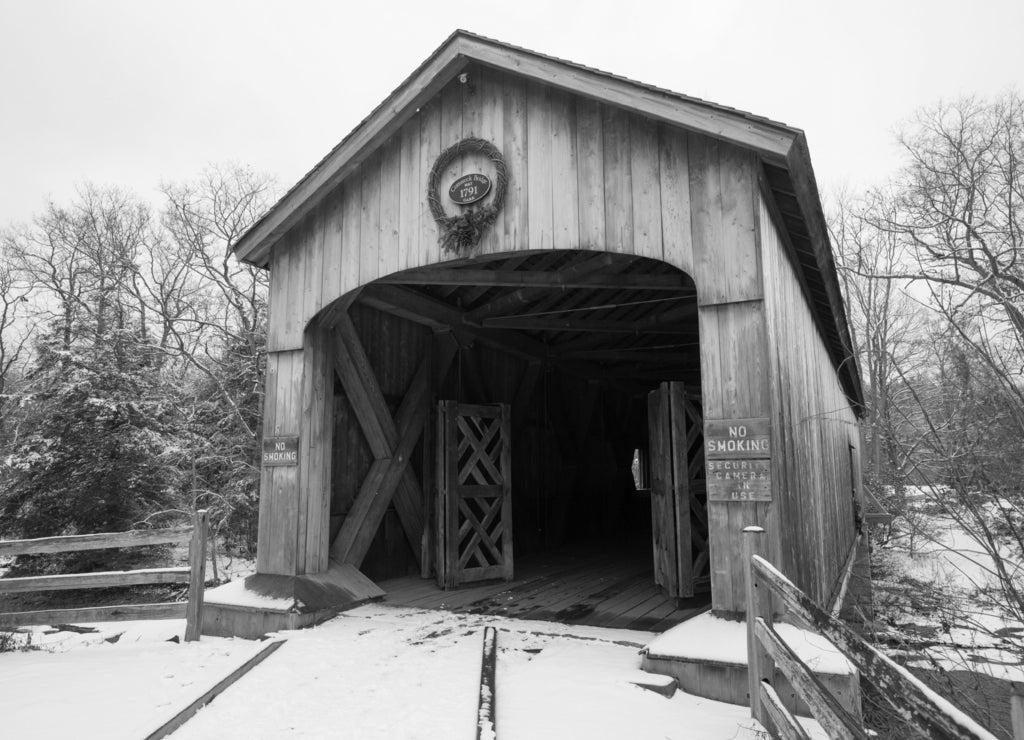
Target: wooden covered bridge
{"points": [[537, 325]]}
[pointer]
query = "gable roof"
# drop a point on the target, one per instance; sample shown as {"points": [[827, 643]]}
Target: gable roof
{"points": [[782, 149], [773, 141]]}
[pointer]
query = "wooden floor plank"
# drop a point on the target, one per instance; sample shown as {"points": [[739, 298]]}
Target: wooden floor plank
{"points": [[567, 605], [629, 611], [657, 612], [610, 612], [593, 585], [676, 617], [582, 588]]}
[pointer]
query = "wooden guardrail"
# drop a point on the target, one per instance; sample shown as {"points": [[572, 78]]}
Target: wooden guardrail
{"points": [[194, 575], [925, 711]]}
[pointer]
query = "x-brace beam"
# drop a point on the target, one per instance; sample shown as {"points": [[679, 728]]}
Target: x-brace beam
{"points": [[391, 441]]}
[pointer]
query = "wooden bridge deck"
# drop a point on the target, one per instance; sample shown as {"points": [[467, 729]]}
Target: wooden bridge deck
{"points": [[591, 586]]}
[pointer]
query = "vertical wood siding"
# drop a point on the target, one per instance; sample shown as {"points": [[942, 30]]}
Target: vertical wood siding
{"points": [[734, 380], [813, 428], [582, 175], [733, 334], [278, 485]]}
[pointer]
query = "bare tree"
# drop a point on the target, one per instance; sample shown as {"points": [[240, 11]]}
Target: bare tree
{"points": [[204, 220], [885, 325], [15, 327], [941, 246], [78, 261], [222, 336], [960, 215], [99, 423]]}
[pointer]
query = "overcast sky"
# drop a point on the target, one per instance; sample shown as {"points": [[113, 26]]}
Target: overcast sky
{"points": [[133, 93]]}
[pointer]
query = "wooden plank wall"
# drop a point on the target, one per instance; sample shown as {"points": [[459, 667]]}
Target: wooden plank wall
{"points": [[582, 175], [813, 429], [278, 485], [300, 389], [733, 334], [316, 443]]}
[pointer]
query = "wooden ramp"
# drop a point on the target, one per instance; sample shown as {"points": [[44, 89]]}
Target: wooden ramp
{"points": [[591, 585]]}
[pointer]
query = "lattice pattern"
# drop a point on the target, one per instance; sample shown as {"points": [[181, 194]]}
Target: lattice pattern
{"points": [[479, 442], [698, 491], [694, 439], [475, 493], [480, 532]]}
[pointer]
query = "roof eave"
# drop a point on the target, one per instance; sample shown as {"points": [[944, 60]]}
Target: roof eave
{"points": [[254, 246], [801, 173]]}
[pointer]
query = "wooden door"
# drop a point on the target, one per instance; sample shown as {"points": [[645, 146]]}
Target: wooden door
{"points": [[678, 491], [474, 509]]}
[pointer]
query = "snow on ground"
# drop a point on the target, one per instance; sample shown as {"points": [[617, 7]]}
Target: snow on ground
{"points": [[391, 672], [973, 629], [129, 632], [373, 672], [577, 689], [82, 686], [707, 637], [950, 555]]}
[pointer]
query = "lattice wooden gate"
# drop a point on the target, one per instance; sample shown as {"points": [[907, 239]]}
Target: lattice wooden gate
{"points": [[679, 517], [474, 493]]}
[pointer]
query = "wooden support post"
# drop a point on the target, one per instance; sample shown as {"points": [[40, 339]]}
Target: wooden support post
{"points": [[440, 496], [1017, 710], [678, 463], [428, 484], [197, 565], [760, 667]]}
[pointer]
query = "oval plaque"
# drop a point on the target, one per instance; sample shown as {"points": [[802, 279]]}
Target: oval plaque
{"points": [[469, 189]]}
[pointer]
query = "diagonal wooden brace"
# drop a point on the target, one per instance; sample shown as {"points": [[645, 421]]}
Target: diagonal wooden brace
{"points": [[381, 483], [389, 477]]}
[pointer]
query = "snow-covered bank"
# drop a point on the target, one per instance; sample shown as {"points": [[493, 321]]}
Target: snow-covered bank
{"points": [[91, 688], [943, 593]]}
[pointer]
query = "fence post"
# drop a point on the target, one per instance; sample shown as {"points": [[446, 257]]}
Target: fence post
{"points": [[759, 604], [197, 579]]}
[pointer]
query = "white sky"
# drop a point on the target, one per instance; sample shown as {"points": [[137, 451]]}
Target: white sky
{"points": [[130, 93]]}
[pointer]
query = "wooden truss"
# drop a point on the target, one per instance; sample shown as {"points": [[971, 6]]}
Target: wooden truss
{"points": [[391, 441]]}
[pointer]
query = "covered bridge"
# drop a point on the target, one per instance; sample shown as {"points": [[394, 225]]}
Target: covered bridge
{"points": [[527, 308]]}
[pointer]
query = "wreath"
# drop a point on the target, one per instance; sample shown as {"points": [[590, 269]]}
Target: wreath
{"points": [[461, 233]]}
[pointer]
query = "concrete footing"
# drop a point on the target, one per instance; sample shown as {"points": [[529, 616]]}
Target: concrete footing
{"points": [[707, 656], [265, 603]]}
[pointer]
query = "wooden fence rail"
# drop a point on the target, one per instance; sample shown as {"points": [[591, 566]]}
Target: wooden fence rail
{"points": [[194, 575], [925, 711]]}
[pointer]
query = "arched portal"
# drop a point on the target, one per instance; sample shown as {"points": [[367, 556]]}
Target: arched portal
{"points": [[594, 360]]}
